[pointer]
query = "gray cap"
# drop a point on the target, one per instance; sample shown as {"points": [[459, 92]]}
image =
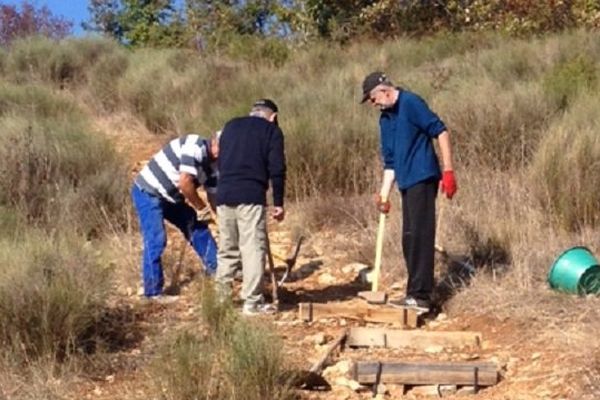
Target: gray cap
{"points": [[268, 103], [371, 82]]}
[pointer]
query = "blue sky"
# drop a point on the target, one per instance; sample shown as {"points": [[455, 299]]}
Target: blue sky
{"points": [[73, 10]]}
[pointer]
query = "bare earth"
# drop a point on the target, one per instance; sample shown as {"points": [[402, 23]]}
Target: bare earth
{"points": [[529, 369]]}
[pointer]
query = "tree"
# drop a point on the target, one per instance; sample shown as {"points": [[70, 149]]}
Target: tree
{"points": [[105, 18], [138, 23], [211, 19], [27, 20]]}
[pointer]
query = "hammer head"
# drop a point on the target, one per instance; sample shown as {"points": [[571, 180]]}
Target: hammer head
{"points": [[373, 297]]}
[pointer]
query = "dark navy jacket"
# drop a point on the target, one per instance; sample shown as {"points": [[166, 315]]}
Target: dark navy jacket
{"points": [[407, 130], [251, 152]]}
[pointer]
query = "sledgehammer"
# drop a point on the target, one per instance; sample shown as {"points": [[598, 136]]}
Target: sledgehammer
{"points": [[374, 296]]}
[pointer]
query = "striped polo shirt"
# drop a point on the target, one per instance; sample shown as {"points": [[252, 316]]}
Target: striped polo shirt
{"points": [[189, 154]]}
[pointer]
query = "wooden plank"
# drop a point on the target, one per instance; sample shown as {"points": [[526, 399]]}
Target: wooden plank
{"points": [[318, 366], [390, 338], [404, 317], [448, 373]]}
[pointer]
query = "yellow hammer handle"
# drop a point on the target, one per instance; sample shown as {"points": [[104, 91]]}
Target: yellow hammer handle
{"points": [[378, 251]]}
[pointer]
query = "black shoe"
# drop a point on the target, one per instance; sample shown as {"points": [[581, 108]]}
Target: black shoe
{"points": [[411, 302]]}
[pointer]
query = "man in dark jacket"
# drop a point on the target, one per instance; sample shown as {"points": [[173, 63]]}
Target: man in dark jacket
{"points": [[407, 128], [251, 153]]}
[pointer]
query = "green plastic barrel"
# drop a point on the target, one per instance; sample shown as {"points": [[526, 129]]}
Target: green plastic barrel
{"points": [[576, 271]]}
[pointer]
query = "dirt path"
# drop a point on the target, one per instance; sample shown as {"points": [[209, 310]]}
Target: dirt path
{"points": [[323, 273], [527, 370]]}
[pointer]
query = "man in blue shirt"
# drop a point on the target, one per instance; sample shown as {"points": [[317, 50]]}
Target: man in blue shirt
{"points": [[407, 128]]}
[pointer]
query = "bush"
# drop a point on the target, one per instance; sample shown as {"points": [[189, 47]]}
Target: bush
{"points": [[188, 369], [565, 172], [36, 102], [3, 57], [51, 295], [55, 173], [492, 126], [146, 87], [218, 316], [257, 51], [254, 364], [236, 359], [201, 94], [62, 63], [567, 79], [510, 63]]}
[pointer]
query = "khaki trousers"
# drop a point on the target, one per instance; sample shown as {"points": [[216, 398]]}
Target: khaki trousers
{"points": [[242, 243]]}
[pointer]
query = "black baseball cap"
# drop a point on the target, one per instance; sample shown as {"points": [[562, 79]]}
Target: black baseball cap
{"points": [[270, 104], [371, 82]]}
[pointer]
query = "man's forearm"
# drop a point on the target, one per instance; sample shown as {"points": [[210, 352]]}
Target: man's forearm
{"points": [[188, 189], [386, 183], [192, 197], [446, 151]]}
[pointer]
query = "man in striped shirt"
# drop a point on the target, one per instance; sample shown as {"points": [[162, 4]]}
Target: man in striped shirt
{"points": [[165, 189]]}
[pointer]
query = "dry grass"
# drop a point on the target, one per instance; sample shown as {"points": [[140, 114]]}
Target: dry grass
{"points": [[51, 297], [236, 358], [526, 167], [566, 165]]}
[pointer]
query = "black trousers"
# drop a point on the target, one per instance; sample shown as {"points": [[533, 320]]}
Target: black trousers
{"points": [[418, 237]]}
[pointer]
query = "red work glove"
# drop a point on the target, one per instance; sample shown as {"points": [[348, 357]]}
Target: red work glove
{"points": [[382, 206], [448, 184]]}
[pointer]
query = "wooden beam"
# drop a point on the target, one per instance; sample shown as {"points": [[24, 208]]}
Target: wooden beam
{"points": [[339, 341], [448, 373], [404, 317], [390, 338]]}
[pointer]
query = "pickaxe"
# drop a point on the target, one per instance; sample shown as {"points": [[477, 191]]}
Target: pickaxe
{"points": [[290, 262]]}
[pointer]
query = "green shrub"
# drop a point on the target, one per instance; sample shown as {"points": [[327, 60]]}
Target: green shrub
{"points": [[11, 222], [257, 51], [3, 57], [492, 126], [509, 63], [63, 62], [104, 77], [569, 78], [254, 363], [146, 87], [188, 369], [236, 358], [52, 292], [566, 172], [35, 102], [218, 316], [28, 60], [56, 174]]}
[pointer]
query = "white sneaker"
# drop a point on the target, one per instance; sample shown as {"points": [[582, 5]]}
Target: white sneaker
{"points": [[258, 309], [162, 299]]}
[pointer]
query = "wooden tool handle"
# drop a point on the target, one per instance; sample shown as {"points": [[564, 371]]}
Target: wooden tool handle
{"points": [[378, 250], [274, 287]]}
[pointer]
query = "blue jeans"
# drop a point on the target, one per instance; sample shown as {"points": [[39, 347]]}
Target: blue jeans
{"points": [[152, 211]]}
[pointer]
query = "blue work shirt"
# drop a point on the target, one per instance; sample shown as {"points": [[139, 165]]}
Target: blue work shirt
{"points": [[407, 129]]}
